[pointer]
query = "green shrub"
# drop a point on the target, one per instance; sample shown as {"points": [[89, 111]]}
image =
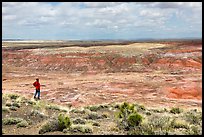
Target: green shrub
{"points": [[11, 121], [128, 115], [49, 126], [23, 123], [125, 110], [64, 121], [175, 110], [134, 119]]}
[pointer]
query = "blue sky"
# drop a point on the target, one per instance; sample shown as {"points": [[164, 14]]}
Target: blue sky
{"points": [[101, 20]]}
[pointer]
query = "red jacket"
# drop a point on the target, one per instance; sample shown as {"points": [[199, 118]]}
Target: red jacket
{"points": [[37, 85]]}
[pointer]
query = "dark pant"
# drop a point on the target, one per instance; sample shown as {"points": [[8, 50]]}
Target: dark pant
{"points": [[37, 92]]}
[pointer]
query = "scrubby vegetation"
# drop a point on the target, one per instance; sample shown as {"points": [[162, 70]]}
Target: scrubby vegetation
{"points": [[11, 121], [64, 121], [121, 118], [128, 116]]}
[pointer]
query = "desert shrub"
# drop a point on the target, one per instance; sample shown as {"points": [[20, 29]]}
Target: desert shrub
{"points": [[103, 106], [125, 110], [127, 116], [141, 108], [11, 121], [78, 111], [31, 102], [13, 108], [96, 124], [194, 130], [93, 116], [134, 119], [15, 104], [160, 122], [81, 128], [144, 129], [63, 110], [8, 104], [64, 121], [23, 123], [49, 126], [13, 96], [159, 110], [165, 110], [115, 129], [37, 113], [39, 105], [178, 123], [93, 108], [104, 115], [79, 121], [5, 109], [148, 113], [66, 130], [53, 107], [193, 117], [117, 106], [21, 100], [175, 110]]}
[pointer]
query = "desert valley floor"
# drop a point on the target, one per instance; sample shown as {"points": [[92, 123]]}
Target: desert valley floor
{"points": [[156, 74]]}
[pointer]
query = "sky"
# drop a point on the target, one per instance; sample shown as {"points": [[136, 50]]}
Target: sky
{"points": [[101, 20]]}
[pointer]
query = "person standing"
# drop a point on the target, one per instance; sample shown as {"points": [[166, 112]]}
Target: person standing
{"points": [[36, 84]]}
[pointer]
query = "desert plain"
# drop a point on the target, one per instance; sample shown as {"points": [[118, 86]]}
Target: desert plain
{"points": [[164, 73]]}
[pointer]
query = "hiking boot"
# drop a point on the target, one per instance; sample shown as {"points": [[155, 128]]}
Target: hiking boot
{"points": [[39, 98]]}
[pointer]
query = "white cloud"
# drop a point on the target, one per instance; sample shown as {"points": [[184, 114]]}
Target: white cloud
{"points": [[123, 17]]}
